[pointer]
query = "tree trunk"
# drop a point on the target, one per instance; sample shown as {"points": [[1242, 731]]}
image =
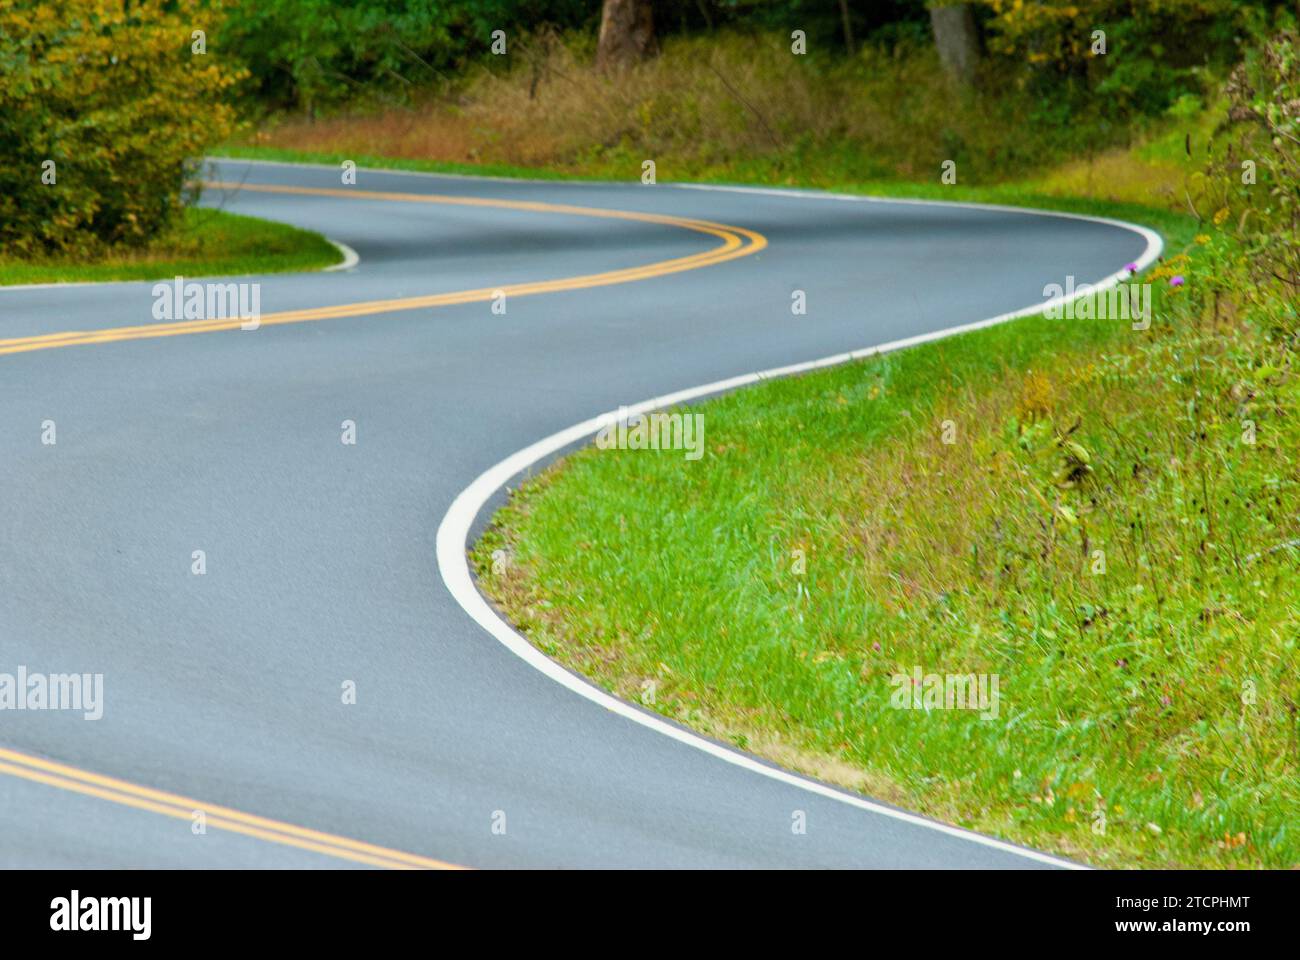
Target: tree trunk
{"points": [[956, 37], [627, 33]]}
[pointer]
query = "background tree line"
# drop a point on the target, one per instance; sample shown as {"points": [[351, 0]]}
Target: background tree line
{"points": [[111, 100], [308, 53]]}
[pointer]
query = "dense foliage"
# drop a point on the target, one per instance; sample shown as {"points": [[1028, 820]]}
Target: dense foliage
{"points": [[305, 53], [102, 104], [302, 53], [308, 53], [1139, 54]]}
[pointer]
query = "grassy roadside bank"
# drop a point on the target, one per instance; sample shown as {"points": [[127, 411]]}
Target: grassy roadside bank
{"points": [[205, 243], [1098, 536]]}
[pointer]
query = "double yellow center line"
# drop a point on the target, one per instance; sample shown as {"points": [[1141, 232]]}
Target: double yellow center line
{"points": [[65, 777], [735, 242]]}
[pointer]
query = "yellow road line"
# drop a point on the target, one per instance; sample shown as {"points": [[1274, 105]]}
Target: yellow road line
{"points": [[222, 818], [735, 242]]}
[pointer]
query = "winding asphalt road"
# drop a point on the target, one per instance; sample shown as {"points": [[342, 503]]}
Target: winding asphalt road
{"points": [[223, 691]]}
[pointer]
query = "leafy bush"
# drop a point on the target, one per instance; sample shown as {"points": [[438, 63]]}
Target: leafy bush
{"points": [[101, 106]]}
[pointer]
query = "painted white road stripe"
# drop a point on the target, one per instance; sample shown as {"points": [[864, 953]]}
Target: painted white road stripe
{"points": [[350, 257], [453, 532]]}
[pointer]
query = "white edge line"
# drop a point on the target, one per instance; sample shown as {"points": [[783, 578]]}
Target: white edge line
{"points": [[350, 257], [65, 285], [350, 260], [494, 178], [453, 532]]}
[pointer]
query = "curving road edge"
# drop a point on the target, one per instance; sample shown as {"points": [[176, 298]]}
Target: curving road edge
{"points": [[454, 530]]}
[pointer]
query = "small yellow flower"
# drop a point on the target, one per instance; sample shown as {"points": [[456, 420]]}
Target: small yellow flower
{"points": [[1202, 238]]}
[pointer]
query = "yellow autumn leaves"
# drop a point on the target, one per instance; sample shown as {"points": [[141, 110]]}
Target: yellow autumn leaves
{"points": [[102, 107]]}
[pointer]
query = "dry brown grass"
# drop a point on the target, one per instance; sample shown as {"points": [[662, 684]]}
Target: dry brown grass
{"points": [[1118, 176], [723, 106], [407, 134]]}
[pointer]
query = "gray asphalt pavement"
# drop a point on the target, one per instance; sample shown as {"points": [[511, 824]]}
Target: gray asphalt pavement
{"points": [[320, 556]]}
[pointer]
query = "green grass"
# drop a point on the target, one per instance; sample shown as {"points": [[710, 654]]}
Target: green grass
{"points": [[206, 243], [1148, 711]]}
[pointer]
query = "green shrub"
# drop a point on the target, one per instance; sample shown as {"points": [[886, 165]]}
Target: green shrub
{"points": [[1153, 49], [102, 105], [304, 54], [1260, 179]]}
